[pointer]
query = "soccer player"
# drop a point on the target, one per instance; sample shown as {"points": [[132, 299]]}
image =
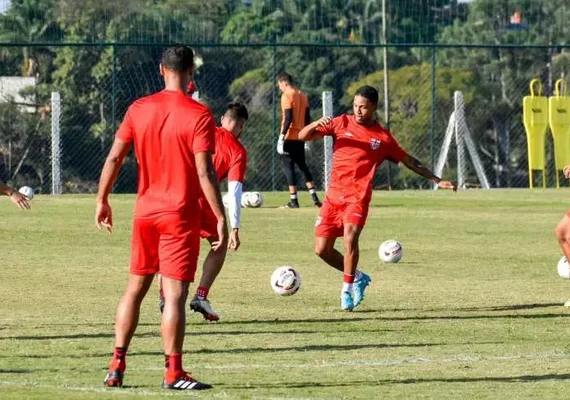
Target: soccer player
{"points": [[562, 231], [173, 138], [17, 198], [360, 145], [230, 159], [296, 114]]}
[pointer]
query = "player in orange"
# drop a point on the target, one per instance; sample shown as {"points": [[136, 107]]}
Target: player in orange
{"points": [[17, 198], [295, 115], [230, 161], [562, 231], [360, 145], [173, 137]]}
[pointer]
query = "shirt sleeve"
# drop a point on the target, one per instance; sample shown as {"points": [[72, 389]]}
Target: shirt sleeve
{"points": [[204, 138], [395, 153], [331, 128], [238, 166], [235, 190], [126, 132]]}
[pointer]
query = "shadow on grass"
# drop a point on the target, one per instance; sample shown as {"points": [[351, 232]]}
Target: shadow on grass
{"points": [[507, 307], [15, 371], [377, 382]]}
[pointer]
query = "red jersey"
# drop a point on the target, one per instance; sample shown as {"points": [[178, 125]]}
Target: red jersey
{"points": [[167, 129], [357, 151], [230, 159]]}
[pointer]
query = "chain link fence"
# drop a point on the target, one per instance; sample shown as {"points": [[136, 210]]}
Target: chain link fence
{"points": [[98, 82]]}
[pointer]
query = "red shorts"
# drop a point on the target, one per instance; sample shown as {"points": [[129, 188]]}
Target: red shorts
{"points": [[167, 244], [208, 222], [334, 215]]}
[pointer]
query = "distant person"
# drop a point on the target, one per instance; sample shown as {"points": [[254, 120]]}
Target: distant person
{"points": [[361, 144], [296, 114], [17, 198], [173, 137], [562, 230]]}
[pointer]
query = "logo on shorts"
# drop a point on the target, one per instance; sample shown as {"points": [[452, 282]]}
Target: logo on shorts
{"points": [[318, 222], [375, 144]]}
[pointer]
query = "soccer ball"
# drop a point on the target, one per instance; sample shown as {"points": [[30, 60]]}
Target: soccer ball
{"points": [[225, 200], [285, 281], [390, 251], [564, 268], [253, 199], [27, 191]]}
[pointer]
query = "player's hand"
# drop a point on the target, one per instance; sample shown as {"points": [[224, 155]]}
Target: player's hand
{"points": [[234, 243], [567, 171], [324, 121], [447, 185], [222, 230], [281, 145], [20, 200], [104, 217]]}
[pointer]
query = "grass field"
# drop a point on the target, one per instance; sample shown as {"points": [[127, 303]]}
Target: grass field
{"points": [[473, 310]]}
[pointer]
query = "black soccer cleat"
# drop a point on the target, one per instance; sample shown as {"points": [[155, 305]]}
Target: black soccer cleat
{"points": [[291, 204], [114, 378], [185, 382]]}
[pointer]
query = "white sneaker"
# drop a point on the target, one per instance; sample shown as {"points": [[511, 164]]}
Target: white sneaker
{"points": [[204, 307]]}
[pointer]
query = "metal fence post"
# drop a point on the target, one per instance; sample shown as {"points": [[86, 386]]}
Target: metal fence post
{"points": [[274, 101], [433, 105]]}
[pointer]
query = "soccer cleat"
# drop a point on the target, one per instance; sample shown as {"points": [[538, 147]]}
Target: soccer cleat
{"points": [[161, 303], [359, 288], [183, 382], [115, 374], [318, 204], [204, 307], [291, 204], [346, 302]]}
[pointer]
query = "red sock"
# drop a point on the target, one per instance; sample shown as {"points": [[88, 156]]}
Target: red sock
{"points": [[202, 292], [166, 361], [348, 278], [174, 363], [120, 353]]}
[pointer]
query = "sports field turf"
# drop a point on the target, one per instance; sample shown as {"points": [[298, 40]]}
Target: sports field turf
{"points": [[474, 310]]}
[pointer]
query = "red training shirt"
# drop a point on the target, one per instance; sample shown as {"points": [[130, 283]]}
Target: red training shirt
{"points": [[357, 151], [167, 129], [230, 159]]}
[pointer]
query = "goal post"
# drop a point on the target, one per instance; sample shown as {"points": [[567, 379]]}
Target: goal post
{"points": [[327, 100]]}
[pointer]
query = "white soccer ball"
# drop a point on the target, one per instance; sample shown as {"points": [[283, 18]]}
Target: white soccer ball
{"points": [[27, 191], [564, 268], [254, 199], [225, 200], [244, 197], [390, 251], [285, 281]]}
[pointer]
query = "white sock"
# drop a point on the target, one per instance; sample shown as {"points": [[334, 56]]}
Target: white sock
{"points": [[347, 287], [312, 190]]}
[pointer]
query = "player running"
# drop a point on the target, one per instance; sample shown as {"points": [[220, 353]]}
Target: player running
{"points": [[230, 160], [360, 145], [562, 231], [296, 115], [17, 198], [173, 137]]}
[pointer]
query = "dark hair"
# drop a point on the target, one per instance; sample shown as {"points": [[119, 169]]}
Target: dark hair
{"points": [[237, 111], [285, 77], [369, 93], [177, 58]]}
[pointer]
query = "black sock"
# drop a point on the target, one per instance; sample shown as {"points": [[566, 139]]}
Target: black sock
{"points": [[294, 199], [313, 192]]}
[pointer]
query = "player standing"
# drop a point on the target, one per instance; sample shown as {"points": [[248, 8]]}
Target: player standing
{"points": [[296, 114], [562, 231], [17, 198], [230, 161], [173, 137], [360, 145]]}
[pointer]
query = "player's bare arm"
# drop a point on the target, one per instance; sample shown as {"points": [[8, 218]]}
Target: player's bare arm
{"points": [[416, 165], [211, 189], [103, 213], [17, 198], [308, 132]]}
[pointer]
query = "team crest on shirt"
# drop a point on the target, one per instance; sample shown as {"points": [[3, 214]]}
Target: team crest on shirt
{"points": [[375, 144]]}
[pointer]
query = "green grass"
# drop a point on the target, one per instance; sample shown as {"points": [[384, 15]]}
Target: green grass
{"points": [[473, 310]]}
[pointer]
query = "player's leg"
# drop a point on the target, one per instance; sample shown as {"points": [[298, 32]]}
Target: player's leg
{"points": [[178, 255], [160, 293], [144, 265], [351, 256], [562, 232], [288, 166], [212, 266], [300, 160], [324, 248]]}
